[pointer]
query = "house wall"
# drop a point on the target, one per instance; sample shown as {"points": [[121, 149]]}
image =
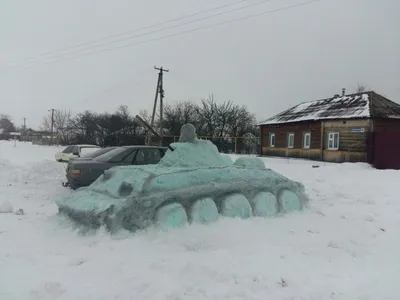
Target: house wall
{"points": [[352, 144], [282, 130], [353, 140], [386, 144], [392, 125]]}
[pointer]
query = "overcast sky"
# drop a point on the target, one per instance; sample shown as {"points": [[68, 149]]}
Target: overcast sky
{"points": [[268, 63]]}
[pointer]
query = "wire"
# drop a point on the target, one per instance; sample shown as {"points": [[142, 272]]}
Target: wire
{"points": [[187, 31], [156, 31], [136, 30]]}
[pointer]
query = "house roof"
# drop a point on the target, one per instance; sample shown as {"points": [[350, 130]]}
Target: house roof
{"points": [[354, 106]]}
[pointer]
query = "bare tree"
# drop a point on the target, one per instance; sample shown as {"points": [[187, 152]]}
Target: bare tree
{"points": [[224, 115], [361, 88], [129, 126], [179, 114], [207, 117], [62, 120]]}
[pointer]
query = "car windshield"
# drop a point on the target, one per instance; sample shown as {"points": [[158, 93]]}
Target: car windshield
{"points": [[110, 154], [97, 152]]}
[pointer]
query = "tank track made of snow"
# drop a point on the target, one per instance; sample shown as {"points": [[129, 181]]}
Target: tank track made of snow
{"points": [[192, 184]]}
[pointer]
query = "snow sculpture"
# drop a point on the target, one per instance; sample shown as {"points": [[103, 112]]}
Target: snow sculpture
{"points": [[193, 183], [188, 134]]}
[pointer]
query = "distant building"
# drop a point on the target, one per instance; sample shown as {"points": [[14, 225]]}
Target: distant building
{"points": [[9, 135], [362, 127]]}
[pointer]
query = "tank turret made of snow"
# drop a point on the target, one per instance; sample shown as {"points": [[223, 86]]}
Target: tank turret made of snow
{"points": [[193, 183]]}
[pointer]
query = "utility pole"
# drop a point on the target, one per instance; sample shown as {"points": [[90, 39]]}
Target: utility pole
{"points": [[23, 130], [52, 124], [159, 90]]}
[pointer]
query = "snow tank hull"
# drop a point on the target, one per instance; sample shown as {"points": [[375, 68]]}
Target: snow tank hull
{"points": [[192, 184]]}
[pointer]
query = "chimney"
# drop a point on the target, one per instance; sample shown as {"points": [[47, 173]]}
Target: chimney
{"points": [[343, 92]]}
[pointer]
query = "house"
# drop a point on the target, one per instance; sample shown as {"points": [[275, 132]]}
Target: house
{"points": [[361, 127], [9, 135]]}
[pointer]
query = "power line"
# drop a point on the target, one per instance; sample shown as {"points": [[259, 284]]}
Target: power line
{"points": [[136, 30], [185, 32], [55, 56]]}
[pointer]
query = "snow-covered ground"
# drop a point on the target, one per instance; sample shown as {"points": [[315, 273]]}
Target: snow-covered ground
{"points": [[345, 246]]}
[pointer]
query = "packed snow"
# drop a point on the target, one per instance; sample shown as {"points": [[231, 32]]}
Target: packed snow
{"points": [[345, 246]]}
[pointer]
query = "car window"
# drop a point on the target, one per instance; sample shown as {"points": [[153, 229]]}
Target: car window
{"points": [[147, 156], [111, 154], [98, 152], [75, 149], [68, 149], [118, 156], [129, 158]]}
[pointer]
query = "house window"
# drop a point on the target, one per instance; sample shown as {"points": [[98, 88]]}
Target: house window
{"points": [[307, 140], [290, 140], [272, 139], [333, 141]]}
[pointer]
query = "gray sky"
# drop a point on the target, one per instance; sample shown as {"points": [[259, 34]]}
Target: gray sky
{"points": [[268, 63]]}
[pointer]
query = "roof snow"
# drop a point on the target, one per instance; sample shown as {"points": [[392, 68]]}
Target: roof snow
{"points": [[362, 105]]}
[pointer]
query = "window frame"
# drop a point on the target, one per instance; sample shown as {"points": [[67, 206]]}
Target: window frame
{"points": [[133, 153], [271, 134], [288, 139], [305, 134], [331, 137], [117, 158]]}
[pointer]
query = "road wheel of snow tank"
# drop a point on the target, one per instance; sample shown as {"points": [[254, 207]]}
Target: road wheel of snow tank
{"points": [[288, 201], [171, 215], [236, 205], [203, 211], [264, 204]]}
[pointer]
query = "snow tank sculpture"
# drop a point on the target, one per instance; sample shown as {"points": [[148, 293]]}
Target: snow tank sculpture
{"points": [[193, 183]]}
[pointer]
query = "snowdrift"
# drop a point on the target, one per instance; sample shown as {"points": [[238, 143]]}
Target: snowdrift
{"points": [[193, 183]]}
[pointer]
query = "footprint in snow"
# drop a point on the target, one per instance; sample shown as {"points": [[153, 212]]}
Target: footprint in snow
{"points": [[78, 261]]}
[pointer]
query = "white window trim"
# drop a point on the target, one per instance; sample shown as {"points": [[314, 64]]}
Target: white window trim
{"points": [[287, 140], [270, 139], [304, 140], [331, 137]]}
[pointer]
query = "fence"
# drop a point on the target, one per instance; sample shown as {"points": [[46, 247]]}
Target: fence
{"points": [[238, 145], [39, 140]]}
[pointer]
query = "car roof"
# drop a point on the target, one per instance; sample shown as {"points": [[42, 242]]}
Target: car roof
{"points": [[142, 146], [87, 145]]}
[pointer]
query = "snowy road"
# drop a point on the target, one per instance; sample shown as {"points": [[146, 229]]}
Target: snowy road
{"points": [[346, 246]]}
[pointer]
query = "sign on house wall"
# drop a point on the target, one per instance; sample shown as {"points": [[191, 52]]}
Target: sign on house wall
{"points": [[358, 130]]}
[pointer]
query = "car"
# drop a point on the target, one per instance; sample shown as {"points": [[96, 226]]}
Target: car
{"points": [[74, 151], [82, 173]]}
